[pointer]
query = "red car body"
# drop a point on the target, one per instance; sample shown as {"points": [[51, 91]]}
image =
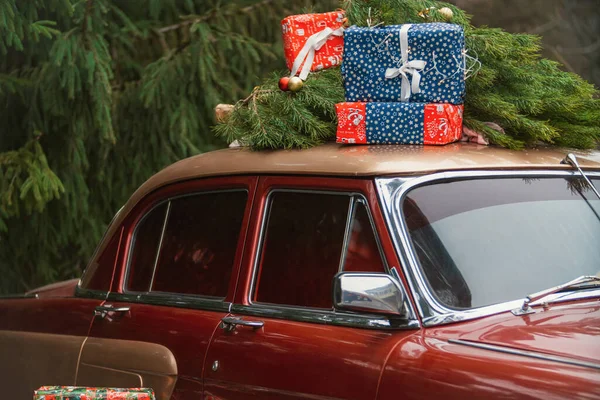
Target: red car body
{"points": [[177, 344]]}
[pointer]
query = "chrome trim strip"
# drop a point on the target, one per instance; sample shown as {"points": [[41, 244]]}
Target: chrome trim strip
{"points": [[160, 242], [90, 294], [392, 191], [19, 296], [172, 300], [347, 231], [525, 353], [325, 317]]}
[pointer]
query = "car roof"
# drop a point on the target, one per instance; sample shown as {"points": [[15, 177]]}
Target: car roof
{"points": [[366, 160], [354, 161], [361, 161]]}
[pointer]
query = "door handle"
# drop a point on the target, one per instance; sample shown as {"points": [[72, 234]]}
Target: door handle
{"points": [[102, 311], [229, 323]]}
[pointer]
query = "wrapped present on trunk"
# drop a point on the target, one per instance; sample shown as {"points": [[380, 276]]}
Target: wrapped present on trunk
{"points": [[399, 123], [312, 42], [92, 393], [420, 63]]}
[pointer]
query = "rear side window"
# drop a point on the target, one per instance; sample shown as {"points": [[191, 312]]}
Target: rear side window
{"points": [[199, 244], [191, 248], [146, 241], [309, 237]]}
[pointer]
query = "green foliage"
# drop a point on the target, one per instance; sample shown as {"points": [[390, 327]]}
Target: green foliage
{"points": [[96, 96], [309, 113], [530, 97]]}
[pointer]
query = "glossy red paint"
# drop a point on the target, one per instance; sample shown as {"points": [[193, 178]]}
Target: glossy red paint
{"points": [[427, 364], [58, 289], [67, 316], [294, 360], [184, 331], [570, 330], [291, 360]]}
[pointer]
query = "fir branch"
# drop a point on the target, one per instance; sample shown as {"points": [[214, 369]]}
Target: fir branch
{"points": [[191, 20], [271, 118]]}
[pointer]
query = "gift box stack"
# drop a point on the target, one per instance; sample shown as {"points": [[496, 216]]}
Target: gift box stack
{"points": [[403, 83], [92, 393]]}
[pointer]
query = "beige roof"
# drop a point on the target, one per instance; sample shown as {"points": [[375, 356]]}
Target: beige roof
{"points": [[360, 160], [345, 160]]}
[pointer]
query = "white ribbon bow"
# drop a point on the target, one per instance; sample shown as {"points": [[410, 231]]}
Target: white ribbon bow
{"points": [[307, 54], [412, 68]]}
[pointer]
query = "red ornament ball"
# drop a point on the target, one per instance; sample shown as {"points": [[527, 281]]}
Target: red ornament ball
{"points": [[283, 83]]}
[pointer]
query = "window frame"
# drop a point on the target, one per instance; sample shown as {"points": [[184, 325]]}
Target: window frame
{"points": [[353, 198], [364, 186], [393, 191], [132, 244], [171, 192]]}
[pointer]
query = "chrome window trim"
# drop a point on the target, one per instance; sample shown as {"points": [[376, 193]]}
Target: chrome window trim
{"points": [[90, 294], [319, 315], [525, 353], [168, 298], [195, 302], [325, 317], [392, 191]]}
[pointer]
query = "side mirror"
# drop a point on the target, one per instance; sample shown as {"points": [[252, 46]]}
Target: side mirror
{"points": [[365, 292]]}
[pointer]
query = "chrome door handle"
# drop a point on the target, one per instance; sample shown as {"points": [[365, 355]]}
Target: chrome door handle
{"points": [[101, 311], [229, 323]]}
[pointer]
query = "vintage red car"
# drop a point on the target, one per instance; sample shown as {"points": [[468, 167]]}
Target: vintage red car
{"points": [[373, 272]]}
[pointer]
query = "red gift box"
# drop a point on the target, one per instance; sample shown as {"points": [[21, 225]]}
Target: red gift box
{"points": [[328, 43], [399, 123], [92, 393]]}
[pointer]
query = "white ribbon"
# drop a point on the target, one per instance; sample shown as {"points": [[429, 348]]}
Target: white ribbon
{"points": [[412, 68], [307, 54]]}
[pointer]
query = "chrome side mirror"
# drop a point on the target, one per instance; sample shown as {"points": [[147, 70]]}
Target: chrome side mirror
{"points": [[365, 292]]}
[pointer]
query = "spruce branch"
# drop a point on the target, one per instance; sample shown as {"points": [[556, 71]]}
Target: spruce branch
{"points": [[191, 20]]}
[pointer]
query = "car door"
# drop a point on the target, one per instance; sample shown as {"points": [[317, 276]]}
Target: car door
{"points": [[283, 339], [176, 281]]}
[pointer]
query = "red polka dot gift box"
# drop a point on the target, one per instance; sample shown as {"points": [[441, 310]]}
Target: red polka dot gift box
{"points": [[398, 123]]}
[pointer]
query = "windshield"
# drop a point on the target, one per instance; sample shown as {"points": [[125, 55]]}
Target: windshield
{"points": [[486, 241]]}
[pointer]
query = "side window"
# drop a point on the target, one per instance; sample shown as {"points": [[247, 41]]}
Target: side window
{"points": [[187, 245], [145, 247], [98, 275], [363, 254], [308, 237], [199, 244]]}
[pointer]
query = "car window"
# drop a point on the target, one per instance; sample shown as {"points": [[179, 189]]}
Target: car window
{"points": [[304, 239], [145, 247], [98, 275], [486, 241], [363, 254], [199, 244]]}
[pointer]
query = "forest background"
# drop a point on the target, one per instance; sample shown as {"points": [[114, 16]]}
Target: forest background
{"points": [[98, 95]]}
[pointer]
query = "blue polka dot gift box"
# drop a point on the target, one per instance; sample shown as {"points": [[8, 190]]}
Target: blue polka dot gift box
{"points": [[412, 62], [398, 123]]}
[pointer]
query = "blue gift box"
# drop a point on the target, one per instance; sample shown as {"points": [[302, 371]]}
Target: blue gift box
{"points": [[380, 62]]}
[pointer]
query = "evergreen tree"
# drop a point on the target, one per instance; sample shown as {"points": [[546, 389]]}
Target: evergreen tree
{"points": [[531, 98], [96, 96]]}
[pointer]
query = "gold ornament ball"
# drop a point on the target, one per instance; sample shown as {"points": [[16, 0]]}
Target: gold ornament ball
{"points": [[295, 84], [446, 13]]}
